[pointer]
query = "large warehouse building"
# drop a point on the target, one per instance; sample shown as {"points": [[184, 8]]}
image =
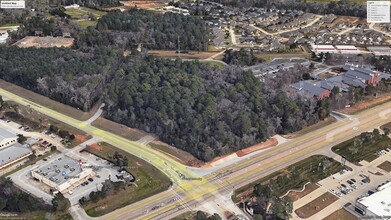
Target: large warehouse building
{"points": [[63, 174], [378, 204], [7, 138]]}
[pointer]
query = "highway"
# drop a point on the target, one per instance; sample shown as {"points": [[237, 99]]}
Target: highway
{"points": [[191, 194]]}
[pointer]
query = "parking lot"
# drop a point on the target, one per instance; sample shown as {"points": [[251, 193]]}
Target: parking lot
{"points": [[349, 186]]}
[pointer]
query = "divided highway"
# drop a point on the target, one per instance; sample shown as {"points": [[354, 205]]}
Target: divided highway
{"points": [[191, 194]]}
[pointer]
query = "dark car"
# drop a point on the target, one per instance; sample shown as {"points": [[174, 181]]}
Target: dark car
{"points": [[353, 180], [90, 179], [350, 182], [343, 185]]}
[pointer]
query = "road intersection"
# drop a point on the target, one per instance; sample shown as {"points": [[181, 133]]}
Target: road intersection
{"points": [[195, 190]]}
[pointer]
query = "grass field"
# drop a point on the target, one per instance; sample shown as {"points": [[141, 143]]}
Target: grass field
{"points": [[294, 176], [149, 181], [45, 101], [86, 23], [118, 129], [365, 152], [213, 63], [341, 214], [270, 56], [310, 128], [386, 166], [182, 156], [316, 205], [78, 13]]}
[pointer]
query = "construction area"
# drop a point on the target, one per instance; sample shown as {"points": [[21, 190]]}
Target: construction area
{"points": [[44, 42]]}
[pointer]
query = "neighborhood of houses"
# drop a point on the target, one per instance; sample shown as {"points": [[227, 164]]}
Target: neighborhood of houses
{"points": [[353, 77]]}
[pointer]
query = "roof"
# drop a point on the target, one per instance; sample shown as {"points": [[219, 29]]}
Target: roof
{"points": [[60, 170], [13, 152], [379, 203], [308, 87], [6, 134], [353, 82], [345, 47]]}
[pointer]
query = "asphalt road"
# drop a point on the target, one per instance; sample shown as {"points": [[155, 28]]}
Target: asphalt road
{"points": [[213, 187]]}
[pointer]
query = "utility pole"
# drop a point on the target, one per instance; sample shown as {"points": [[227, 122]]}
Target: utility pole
{"points": [[179, 48]]}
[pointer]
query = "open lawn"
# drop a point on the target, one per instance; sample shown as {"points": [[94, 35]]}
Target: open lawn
{"points": [[310, 128], [316, 205], [86, 23], [386, 166], [270, 56], [341, 214], [118, 129], [361, 150], [180, 155], [45, 101], [184, 55], [79, 13], [295, 176], [213, 63], [366, 103], [149, 181]]}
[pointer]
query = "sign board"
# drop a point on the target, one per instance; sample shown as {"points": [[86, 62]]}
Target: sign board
{"points": [[12, 4], [378, 11]]}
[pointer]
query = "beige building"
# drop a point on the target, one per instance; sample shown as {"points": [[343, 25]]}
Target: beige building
{"points": [[63, 174]]}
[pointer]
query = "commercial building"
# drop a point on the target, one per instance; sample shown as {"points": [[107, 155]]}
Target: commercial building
{"points": [[311, 88], [7, 138], [63, 174], [377, 205], [323, 49], [379, 51], [347, 49], [12, 154]]}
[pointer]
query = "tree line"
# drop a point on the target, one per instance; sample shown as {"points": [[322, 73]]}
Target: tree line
{"points": [[72, 77], [157, 31], [206, 111]]}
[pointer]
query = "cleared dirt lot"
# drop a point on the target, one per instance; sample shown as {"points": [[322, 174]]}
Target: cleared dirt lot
{"points": [[341, 214], [316, 205], [386, 166], [44, 42]]}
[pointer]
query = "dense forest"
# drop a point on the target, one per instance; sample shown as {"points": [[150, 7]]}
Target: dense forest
{"points": [[334, 7], [13, 199], [240, 57], [156, 31], [71, 77], [205, 111]]}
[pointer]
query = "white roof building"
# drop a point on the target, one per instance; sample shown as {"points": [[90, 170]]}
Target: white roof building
{"points": [[323, 48], [379, 203], [7, 138], [347, 49]]}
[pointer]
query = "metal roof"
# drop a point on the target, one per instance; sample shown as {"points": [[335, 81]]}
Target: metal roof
{"points": [[13, 152], [6, 134]]}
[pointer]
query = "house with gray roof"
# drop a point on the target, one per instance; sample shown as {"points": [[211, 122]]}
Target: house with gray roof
{"points": [[311, 88]]}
